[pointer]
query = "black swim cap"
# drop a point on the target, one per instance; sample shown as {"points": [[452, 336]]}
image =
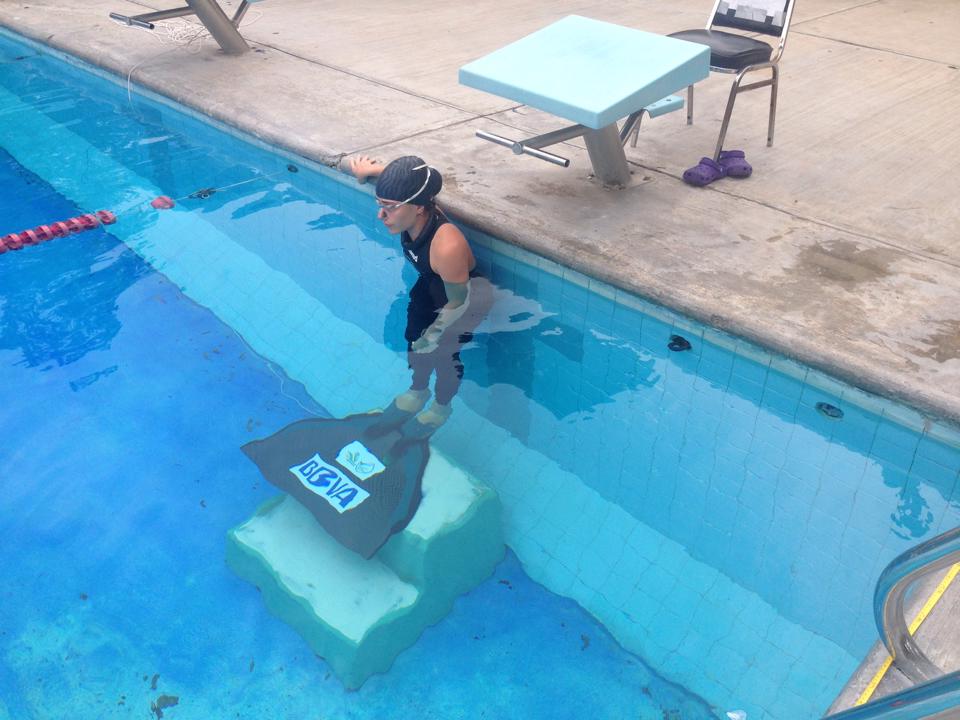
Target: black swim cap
{"points": [[409, 180]]}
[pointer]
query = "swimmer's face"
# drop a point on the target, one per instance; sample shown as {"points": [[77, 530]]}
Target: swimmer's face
{"points": [[396, 216]]}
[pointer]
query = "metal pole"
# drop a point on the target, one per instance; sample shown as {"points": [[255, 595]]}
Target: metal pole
{"points": [[147, 19], [521, 149], [929, 556], [219, 25], [238, 15], [631, 128], [606, 154], [555, 136]]}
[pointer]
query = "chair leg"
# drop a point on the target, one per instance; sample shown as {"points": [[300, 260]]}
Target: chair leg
{"points": [[689, 104], [734, 89], [773, 104]]}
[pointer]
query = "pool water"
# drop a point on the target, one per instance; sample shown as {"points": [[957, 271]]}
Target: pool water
{"points": [[688, 534], [123, 476]]}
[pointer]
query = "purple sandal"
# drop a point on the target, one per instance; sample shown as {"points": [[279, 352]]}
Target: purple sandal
{"points": [[735, 164], [704, 173]]}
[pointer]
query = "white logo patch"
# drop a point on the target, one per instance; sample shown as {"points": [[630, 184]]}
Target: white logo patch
{"points": [[415, 257], [356, 458], [329, 483]]}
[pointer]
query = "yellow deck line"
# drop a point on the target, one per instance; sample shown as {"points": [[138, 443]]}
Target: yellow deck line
{"points": [[921, 616]]}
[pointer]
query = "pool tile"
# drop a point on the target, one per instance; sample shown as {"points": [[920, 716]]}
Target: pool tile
{"points": [[756, 685], [642, 609], [745, 390], [722, 508], [942, 479], [557, 576], [669, 629], [714, 545], [695, 647], [655, 335], [891, 453], [811, 395], [618, 589], [599, 313], [682, 599], [894, 434], [939, 452], [793, 705], [547, 534], [725, 665], [782, 406], [656, 582], [714, 620]]}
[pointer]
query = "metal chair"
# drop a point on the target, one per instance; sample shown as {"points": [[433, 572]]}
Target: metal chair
{"points": [[733, 53]]}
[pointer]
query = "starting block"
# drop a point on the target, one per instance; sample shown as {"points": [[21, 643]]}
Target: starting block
{"points": [[591, 73]]}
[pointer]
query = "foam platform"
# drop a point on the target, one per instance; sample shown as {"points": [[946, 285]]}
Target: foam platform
{"points": [[360, 614]]}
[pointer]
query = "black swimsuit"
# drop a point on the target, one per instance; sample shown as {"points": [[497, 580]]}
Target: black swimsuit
{"points": [[427, 295], [418, 251]]}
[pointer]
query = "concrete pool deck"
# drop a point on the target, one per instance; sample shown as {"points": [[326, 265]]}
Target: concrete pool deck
{"points": [[840, 251]]}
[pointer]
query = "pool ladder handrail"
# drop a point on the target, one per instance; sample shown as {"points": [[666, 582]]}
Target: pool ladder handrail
{"points": [[905, 569], [937, 695]]}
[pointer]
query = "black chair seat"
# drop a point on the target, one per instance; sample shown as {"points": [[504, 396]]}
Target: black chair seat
{"points": [[727, 50]]}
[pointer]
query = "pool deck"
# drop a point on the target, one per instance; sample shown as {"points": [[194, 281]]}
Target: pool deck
{"points": [[841, 251]]}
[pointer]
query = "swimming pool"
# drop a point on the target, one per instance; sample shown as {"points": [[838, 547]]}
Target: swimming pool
{"points": [[695, 502]]}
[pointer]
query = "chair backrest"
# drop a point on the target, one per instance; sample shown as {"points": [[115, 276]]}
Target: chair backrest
{"points": [[770, 17]]}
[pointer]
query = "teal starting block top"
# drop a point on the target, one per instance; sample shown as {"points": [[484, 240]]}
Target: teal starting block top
{"points": [[587, 71]]}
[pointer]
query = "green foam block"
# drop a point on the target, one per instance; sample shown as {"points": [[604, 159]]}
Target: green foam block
{"points": [[360, 614]]}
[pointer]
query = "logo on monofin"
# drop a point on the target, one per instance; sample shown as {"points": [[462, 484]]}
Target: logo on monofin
{"points": [[329, 483], [356, 458]]}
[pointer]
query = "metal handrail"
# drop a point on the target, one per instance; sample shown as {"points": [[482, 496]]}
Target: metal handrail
{"points": [[935, 700], [934, 554], [937, 695]]}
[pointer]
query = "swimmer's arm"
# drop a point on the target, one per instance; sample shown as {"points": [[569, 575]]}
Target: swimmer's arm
{"points": [[365, 167], [450, 255], [452, 260], [458, 299]]}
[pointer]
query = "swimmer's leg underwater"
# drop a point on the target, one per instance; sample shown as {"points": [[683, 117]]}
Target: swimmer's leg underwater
{"points": [[443, 360]]}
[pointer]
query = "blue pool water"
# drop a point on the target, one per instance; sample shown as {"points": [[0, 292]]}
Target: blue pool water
{"points": [[123, 480], [713, 537]]}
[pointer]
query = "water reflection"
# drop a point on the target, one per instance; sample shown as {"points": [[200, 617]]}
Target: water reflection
{"points": [[59, 298]]}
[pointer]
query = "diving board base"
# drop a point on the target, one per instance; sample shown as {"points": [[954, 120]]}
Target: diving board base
{"points": [[360, 614], [607, 156]]}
